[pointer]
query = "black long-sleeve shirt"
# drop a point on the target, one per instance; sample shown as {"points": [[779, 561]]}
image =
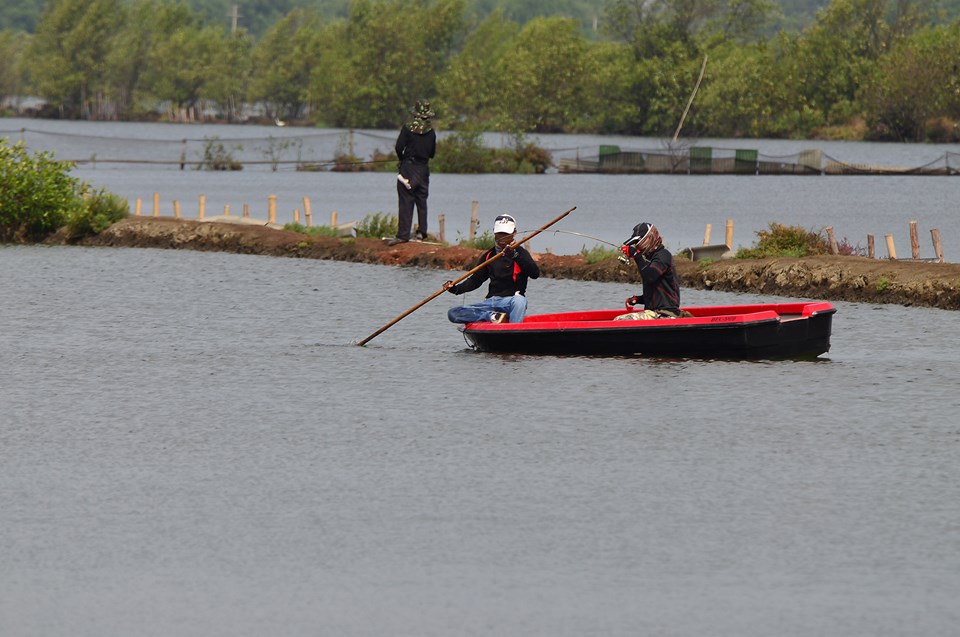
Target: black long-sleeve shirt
{"points": [[506, 276], [661, 287], [418, 148]]}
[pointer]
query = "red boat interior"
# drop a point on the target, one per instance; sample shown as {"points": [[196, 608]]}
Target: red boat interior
{"points": [[705, 315]]}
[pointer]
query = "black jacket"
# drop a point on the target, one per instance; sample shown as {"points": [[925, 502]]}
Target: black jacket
{"points": [[661, 287], [506, 276], [419, 149]]}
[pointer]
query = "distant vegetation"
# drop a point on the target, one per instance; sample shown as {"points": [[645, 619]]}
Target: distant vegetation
{"points": [[780, 240], [856, 69], [39, 198]]}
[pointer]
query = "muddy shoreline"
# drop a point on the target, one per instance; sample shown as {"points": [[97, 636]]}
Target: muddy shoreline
{"points": [[839, 278]]}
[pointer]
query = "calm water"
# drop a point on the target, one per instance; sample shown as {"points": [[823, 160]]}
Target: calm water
{"points": [[191, 444], [608, 206]]}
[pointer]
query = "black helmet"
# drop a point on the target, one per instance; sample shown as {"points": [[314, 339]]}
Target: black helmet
{"points": [[639, 232]]}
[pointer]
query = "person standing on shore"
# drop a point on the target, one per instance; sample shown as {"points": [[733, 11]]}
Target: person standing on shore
{"points": [[416, 146]]}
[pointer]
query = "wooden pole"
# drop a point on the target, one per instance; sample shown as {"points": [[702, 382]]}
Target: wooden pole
{"points": [[914, 241], [441, 221], [514, 245], [296, 215], [308, 212], [226, 210], [474, 205], [176, 208], [246, 211], [202, 204], [729, 238], [138, 206], [272, 209], [834, 248], [706, 235], [891, 250], [871, 251], [156, 204], [937, 247]]}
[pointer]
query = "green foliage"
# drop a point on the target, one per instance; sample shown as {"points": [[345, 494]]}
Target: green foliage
{"points": [[37, 194], [883, 283], [482, 241], [598, 253], [216, 156], [378, 226], [100, 210], [464, 153], [313, 231], [785, 241]]}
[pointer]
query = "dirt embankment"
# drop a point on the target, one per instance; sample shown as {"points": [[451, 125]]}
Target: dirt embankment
{"points": [[825, 277]]}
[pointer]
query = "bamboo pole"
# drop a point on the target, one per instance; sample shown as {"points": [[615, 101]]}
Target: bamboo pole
{"points": [[834, 248], [202, 205], [138, 206], [308, 212], [156, 204], [937, 246], [871, 250], [729, 238], [474, 221], [272, 209], [176, 208], [246, 211], [891, 249], [914, 241], [296, 215], [441, 222], [706, 235], [333, 219], [226, 210]]}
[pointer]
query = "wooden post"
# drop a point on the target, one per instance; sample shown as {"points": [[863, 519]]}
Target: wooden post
{"points": [[246, 211], [272, 209], [474, 205], [937, 247], [441, 222], [871, 252], [891, 250], [202, 203], [226, 210], [333, 219], [307, 212], [176, 208], [834, 248], [156, 204], [914, 241], [138, 206], [296, 216], [729, 239], [706, 235]]}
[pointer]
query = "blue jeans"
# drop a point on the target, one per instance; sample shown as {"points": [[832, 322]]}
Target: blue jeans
{"points": [[515, 306]]}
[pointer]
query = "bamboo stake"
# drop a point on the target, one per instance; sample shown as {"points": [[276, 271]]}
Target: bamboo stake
{"points": [[937, 247], [706, 236], [891, 249], [834, 248], [914, 241], [729, 238], [871, 251]]}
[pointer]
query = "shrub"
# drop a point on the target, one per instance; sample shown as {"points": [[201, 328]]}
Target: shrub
{"points": [[217, 157], [596, 254], [37, 194], [99, 211], [378, 226], [313, 231], [483, 241], [464, 153], [785, 241]]}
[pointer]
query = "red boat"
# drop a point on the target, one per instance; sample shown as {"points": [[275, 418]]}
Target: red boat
{"points": [[763, 331]]}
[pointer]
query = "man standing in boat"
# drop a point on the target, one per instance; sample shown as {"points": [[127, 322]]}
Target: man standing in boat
{"points": [[508, 275], [661, 286]]}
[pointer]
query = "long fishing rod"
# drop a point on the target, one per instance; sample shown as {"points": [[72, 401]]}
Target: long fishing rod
{"points": [[580, 234]]}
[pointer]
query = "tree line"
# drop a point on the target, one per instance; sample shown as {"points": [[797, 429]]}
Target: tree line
{"points": [[863, 69]]}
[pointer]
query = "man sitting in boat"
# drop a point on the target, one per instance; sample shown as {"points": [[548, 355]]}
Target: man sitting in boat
{"points": [[508, 275], [661, 287]]}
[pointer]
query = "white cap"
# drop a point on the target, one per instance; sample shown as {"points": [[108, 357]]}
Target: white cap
{"points": [[504, 223]]}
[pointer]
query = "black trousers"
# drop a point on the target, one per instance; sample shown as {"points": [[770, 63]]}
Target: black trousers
{"points": [[419, 177]]}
